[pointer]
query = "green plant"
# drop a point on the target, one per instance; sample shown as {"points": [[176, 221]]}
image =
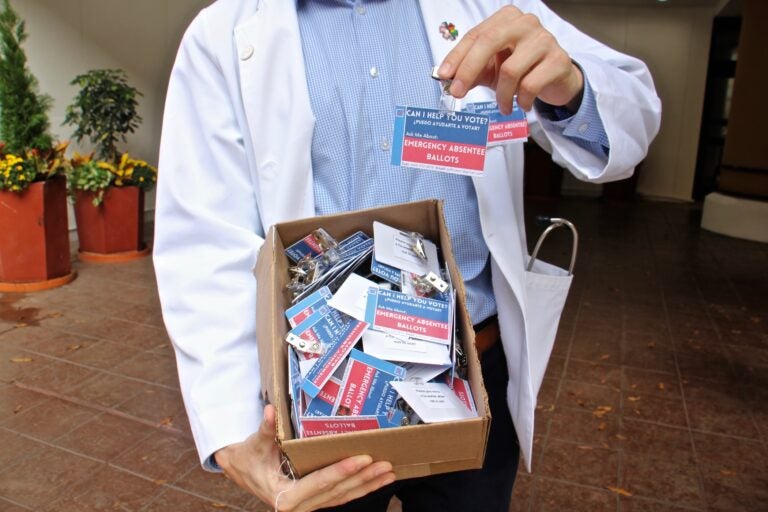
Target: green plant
{"points": [[24, 121], [104, 110], [96, 176]]}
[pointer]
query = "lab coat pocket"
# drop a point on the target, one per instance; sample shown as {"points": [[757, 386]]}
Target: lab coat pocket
{"points": [[546, 288]]}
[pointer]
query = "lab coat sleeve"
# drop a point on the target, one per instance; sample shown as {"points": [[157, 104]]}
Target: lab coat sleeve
{"points": [[207, 236], [626, 99]]}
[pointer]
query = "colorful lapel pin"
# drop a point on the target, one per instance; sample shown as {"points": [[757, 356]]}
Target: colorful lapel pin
{"points": [[448, 30]]}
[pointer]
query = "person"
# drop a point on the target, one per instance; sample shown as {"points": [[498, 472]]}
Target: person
{"points": [[279, 110]]}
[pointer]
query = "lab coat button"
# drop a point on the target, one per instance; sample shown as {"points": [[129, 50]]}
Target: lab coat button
{"points": [[583, 128], [360, 9], [374, 72], [385, 145], [247, 52]]}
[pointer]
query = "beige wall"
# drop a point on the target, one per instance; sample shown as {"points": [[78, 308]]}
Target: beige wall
{"points": [[69, 37], [674, 42]]}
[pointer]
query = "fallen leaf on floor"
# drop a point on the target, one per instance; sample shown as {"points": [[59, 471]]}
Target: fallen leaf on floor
{"points": [[166, 422], [602, 426], [662, 386], [755, 319], [74, 348], [620, 491], [727, 472], [584, 447], [602, 381], [651, 344], [160, 482], [621, 437], [580, 402], [18, 409], [633, 398], [602, 411], [219, 505], [605, 357], [55, 314], [21, 325], [633, 386], [21, 359]]}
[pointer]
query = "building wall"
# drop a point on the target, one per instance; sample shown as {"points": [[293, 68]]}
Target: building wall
{"points": [[68, 37], [674, 42]]}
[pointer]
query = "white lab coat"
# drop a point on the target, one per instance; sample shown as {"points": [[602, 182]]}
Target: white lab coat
{"points": [[235, 159]]}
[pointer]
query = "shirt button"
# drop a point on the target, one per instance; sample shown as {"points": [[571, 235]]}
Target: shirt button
{"points": [[247, 52], [360, 9], [583, 128], [385, 145], [374, 72]]}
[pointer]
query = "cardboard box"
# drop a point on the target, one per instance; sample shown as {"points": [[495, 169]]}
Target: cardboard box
{"points": [[414, 451]]}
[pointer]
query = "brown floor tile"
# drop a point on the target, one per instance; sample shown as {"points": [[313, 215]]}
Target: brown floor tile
{"points": [[649, 358], [585, 428], [635, 504], [657, 441], [62, 346], [714, 408], [143, 314], [49, 419], [730, 453], [171, 499], [36, 481], [711, 367], [16, 448], [103, 354], [214, 486], [667, 411], [594, 373], [161, 456], [651, 383], [556, 496], [669, 481], [555, 367], [645, 340], [108, 489], [596, 345], [22, 337], [16, 363], [588, 396], [155, 404], [104, 437], [729, 491], [579, 464], [144, 337], [58, 376], [548, 392], [152, 368], [7, 506], [14, 400], [107, 390], [521, 493]]}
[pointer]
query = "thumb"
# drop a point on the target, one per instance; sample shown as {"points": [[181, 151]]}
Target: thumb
{"points": [[268, 428]]}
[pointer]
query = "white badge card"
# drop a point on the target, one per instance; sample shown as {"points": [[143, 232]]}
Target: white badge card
{"points": [[352, 297], [405, 349], [502, 129], [440, 140], [396, 249], [423, 372], [432, 401]]}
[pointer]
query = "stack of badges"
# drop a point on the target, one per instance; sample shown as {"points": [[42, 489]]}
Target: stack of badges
{"points": [[373, 339]]}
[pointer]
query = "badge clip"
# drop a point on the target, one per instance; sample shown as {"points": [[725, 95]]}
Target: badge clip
{"points": [[417, 246], [306, 346], [447, 101]]}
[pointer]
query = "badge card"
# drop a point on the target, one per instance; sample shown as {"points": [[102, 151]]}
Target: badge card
{"points": [[403, 314], [394, 248], [502, 129], [304, 309], [433, 402], [440, 140], [365, 389], [405, 349], [322, 404], [330, 425]]}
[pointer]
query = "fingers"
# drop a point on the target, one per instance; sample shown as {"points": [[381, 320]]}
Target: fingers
{"points": [[337, 483], [268, 428], [514, 69]]}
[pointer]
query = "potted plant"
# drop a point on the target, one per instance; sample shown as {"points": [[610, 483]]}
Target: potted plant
{"points": [[34, 247], [108, 186]]}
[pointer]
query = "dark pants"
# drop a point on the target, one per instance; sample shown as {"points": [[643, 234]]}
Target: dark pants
{"points": [[488, 489]]}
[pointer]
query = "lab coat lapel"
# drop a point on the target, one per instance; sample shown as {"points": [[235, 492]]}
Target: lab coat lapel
{"points": [[278, 110]]}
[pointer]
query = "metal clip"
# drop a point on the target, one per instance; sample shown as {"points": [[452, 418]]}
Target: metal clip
{"points": [[435, 281], [306, 346], [417, 246], [447, 101]]}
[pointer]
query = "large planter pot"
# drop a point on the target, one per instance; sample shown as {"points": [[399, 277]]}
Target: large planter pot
{"points": [[34, 245], [114, 230]]}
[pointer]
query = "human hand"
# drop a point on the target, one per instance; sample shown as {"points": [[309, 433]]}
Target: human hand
{"points": [[513, 54], [255, 465]]}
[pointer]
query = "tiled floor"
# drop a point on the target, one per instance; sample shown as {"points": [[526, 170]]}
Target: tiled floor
{"points": [[656, 398]]}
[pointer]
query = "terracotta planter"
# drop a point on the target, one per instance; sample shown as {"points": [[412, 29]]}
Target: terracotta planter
{"points": [[34, 246], [114, 230]]}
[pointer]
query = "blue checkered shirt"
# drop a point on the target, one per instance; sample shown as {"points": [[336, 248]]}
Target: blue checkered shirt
{"points": [[363, 59]]}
